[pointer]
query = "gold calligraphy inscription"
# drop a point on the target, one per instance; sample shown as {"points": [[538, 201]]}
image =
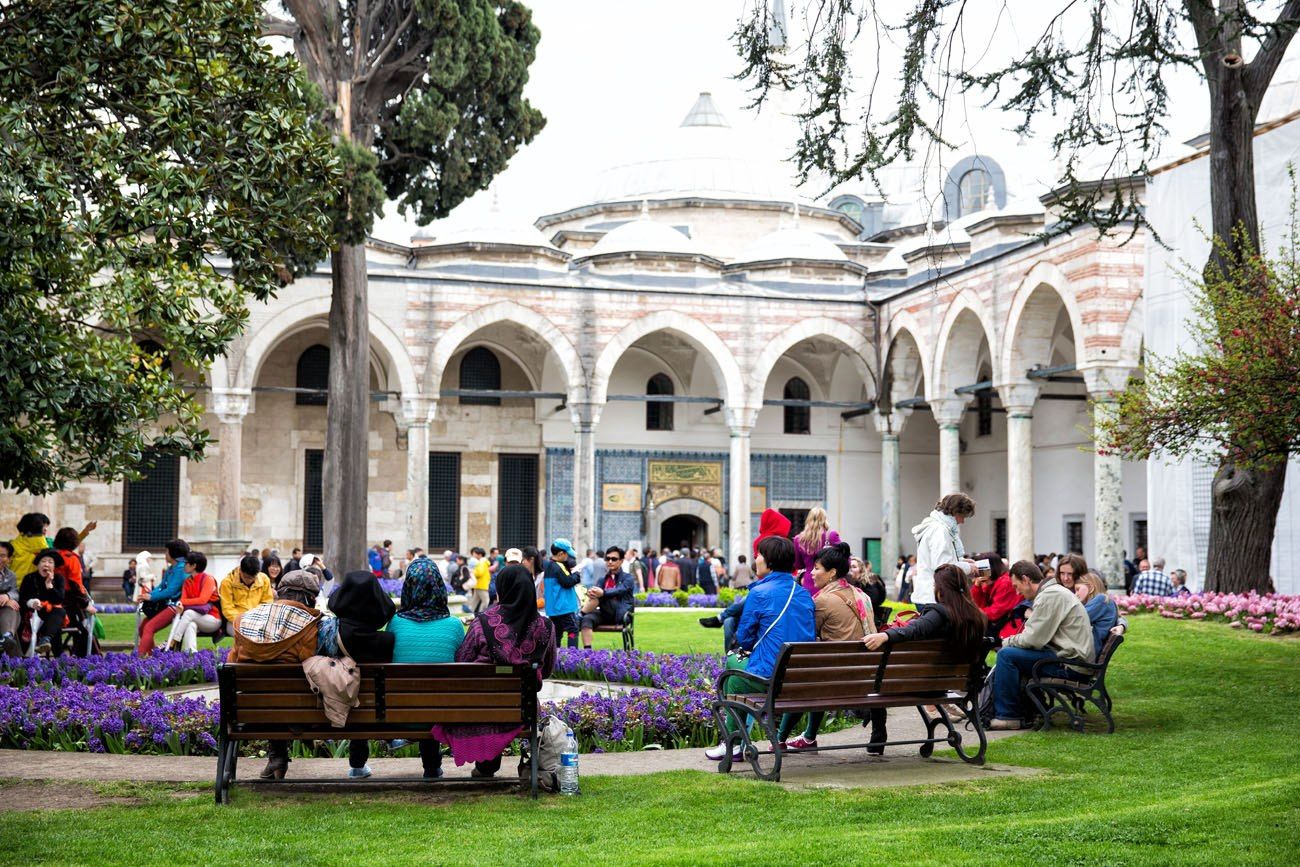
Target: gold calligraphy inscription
{"points": [[685, 472]]}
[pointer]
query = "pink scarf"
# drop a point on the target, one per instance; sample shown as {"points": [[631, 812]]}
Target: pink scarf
{"points": [[861, 602]]}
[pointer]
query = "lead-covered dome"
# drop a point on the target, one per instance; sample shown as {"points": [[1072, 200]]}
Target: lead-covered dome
{"points": [[643, 235], [792, 243]]}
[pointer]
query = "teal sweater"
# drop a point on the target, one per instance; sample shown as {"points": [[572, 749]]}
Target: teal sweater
{"points": [[431, 641]]}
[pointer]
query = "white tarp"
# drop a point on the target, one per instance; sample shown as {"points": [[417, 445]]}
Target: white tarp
{"points": [[1178, 494]]}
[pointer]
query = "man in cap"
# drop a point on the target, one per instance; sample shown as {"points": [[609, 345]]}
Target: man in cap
{"points": [[559, 581]]}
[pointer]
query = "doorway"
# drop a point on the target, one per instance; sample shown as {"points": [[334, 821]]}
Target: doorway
{"points": [[683, 531]]}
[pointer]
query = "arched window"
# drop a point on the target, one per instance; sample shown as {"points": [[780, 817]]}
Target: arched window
{"points": [[975, 191], [798, 419], [850, 206], [480, 369], [658, 415], [313, 372]]}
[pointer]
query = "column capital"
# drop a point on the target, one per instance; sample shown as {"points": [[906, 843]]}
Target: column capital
{"points": [[415, 410], [230, 404], [585, 414], [948, 411], [891, 423], [1018, 398], [1105, 382], [741, 419]]}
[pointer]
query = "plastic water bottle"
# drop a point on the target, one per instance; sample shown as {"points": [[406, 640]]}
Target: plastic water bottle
{"points": [[569, 765]]}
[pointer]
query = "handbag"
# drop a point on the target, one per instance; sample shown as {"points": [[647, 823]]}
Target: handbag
{"points": [[903, 618]]}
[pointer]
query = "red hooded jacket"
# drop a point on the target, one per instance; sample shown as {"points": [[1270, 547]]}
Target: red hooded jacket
{"points": [[773, 523]]}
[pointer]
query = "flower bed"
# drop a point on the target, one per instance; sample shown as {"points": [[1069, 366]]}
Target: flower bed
{"points": [[163, 668], [115, 608], [693, 597], [1272, 613]]}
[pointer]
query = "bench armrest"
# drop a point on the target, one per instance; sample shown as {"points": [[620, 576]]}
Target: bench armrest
{"points": [[1037, 671], [730, 672]]}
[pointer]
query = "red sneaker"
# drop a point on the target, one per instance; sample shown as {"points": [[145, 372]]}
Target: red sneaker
{"points": [[799, 742]]}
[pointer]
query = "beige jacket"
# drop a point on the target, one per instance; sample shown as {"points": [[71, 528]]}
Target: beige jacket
{"points": [[1058, 622]]}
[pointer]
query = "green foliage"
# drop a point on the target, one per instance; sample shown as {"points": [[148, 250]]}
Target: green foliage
{"points": [[1237, 396], [694, 590], [136, 141], [726, 596], [680, 596]]}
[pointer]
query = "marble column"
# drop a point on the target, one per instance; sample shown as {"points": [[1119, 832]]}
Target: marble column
{"points": [[1104, 383], [230, 406], [413, 435], [740, 422], [1018, 400], [948, 413], [890, 427], [585, 417]]}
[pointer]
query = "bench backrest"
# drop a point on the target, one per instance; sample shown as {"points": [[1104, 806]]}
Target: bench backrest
{"points": [[277, 698], [847, 671]]}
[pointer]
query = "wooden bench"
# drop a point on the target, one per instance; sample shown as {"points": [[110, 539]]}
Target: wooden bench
{"points": [[1052, 695], [629, 637], [275, 702], [846, 676]]}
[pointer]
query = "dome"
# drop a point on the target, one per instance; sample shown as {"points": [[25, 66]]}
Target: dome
{"points": [[792, 243], [643, 236], [703, 157], [490, 227]]}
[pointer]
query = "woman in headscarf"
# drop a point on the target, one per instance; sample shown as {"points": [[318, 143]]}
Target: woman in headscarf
{"points": [[425, 632], [361, 608], [510, 632]]}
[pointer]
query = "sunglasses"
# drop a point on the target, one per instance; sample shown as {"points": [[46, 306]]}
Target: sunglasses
{"points": [[612, 559]]}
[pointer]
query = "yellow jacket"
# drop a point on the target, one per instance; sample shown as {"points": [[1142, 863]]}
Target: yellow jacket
{"points": [[25, 550], [482, 575], [236, 598]]}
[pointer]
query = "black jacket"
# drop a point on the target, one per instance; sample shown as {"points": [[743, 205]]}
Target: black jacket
{"points": [[930, 623], [33, 587]]}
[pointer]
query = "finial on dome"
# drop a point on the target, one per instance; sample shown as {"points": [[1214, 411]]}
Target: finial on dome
{"points": [[796, 213], [645, 209], [705, 112]]}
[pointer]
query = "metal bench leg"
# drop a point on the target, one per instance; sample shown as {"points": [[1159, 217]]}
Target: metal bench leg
{"points": [[221, 785], [738, 714], [931, 723]]}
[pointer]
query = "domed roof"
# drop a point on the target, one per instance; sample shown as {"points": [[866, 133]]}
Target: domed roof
{"points": [[703, 157], [643, 235], [791, 243], [490, 227]]}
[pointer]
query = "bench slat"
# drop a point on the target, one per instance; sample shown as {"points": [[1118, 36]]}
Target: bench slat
{"points": [[326, 733], [757, 700], [364, 716], [265, 701], [892, 670], [299, 685]]}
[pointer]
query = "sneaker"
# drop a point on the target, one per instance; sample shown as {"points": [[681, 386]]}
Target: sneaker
{"points": [[1004, 725], [713, 622], [398, 743], [10, 644], [716, 753], [799, 742], [359, 773], [45, 650]]}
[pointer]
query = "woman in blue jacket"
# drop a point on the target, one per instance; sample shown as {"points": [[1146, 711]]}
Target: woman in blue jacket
{"points": [[778, 609]]}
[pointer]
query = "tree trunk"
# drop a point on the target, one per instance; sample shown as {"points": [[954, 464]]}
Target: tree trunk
{"points": [[1245, 503], [346, 475], [1241, 528]]}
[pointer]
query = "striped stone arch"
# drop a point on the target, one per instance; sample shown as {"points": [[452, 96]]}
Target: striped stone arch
{"points": [[857, 343], [965, 322], [1028, 336], [716, 354]]}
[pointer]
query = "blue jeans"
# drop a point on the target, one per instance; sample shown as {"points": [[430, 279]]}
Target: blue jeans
{"points": [[730, 620], [1012, 663]]}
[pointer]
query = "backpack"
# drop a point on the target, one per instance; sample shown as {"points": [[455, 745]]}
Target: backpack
{"points": [[551, 735]]}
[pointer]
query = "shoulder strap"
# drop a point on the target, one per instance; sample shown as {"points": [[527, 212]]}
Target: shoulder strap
{"points": [[494, 650], [773, 624]]}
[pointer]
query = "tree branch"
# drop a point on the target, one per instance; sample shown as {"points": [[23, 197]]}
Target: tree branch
{"points": [[1205, 22], [1260, 72], [273, 26]]}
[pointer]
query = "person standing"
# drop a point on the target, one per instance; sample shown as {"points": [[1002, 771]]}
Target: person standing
{"points": [[669, 575], [479, 597], [816, 535], [590, 568], [559, 582], [637, 567], [704, 572], [938, 541], [741, 575]]}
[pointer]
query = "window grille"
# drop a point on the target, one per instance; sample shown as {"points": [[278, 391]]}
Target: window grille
{"points": [[798, 419], [1074, 537], [480, 369], [313, 513], [150, 507], [658, 416], [984, 410], [516, 500], [1000, 537], [313, 372], [444, 501]]}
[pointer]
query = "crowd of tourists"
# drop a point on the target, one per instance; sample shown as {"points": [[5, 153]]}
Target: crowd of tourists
{"points": [[43, 589]]}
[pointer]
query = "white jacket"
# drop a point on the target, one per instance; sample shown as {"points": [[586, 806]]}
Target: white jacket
{"points": [[935, 545]]}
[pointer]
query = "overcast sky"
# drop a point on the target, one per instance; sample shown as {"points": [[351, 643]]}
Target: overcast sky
{"points": [[614, 78]]}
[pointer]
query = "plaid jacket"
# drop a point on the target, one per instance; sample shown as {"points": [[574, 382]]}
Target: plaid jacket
{"points": [[1154, 583]]}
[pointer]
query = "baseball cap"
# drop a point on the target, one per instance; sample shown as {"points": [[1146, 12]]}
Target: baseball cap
{"points": [[514, 555], [566, 546]]}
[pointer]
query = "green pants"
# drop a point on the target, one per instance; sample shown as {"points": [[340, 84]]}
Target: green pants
{"points": [[788, 721], [738, 683]]}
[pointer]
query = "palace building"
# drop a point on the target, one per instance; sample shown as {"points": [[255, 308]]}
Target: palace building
{"points": [[697, 343]]}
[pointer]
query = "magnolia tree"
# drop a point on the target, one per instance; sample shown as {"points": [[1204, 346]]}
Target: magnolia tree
{"points": [[1094, 77], [1234, 400], [425, 102], [158, 168]]}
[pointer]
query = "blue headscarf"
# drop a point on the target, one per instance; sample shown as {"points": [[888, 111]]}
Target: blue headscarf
{"points": [[424, 596]]}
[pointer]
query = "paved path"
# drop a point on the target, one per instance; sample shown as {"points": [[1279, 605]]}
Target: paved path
{"points": [[843, 769]]}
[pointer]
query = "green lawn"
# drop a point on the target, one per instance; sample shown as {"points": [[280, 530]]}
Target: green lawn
{"points": [[1202, 770]]}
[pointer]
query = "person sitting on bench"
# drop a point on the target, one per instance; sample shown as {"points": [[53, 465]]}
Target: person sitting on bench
{"points": [[609, 601], [1058, 628]]}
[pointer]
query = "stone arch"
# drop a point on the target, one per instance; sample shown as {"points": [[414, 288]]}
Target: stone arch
{"points": [[965, 322], [711, 517], [1133, 339], [720, 360], [906, 364], [502, 311], [385, 343], [1033, 309], [857, 344], [219, 373]]}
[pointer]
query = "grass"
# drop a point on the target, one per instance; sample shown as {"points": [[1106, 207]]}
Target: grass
{"points": [[1201, 771]]}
